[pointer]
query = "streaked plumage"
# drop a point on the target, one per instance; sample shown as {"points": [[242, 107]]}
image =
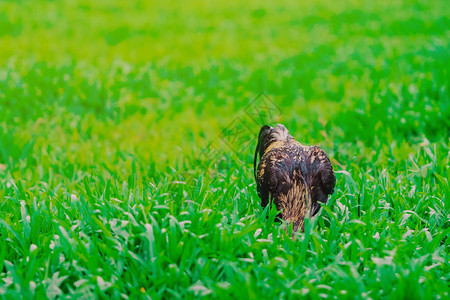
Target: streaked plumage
{"points": [[297, 178]]}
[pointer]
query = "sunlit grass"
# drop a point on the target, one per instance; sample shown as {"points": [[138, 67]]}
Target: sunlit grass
{"points": [[116, 180]]}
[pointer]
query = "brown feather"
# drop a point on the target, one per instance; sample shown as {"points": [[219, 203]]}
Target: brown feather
{"points": [[296, 178]]}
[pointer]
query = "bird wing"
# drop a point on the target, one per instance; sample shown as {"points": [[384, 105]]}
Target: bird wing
{"points": [[322, 179], [273, 176], [296, 178]]}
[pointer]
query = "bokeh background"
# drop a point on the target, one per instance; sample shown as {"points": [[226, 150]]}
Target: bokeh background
{"points": [[155, 79]]}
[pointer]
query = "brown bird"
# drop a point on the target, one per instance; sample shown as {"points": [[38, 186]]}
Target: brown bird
{"points": [[296, 178]]}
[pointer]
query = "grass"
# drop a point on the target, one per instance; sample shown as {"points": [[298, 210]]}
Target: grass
{"points": [[127, 131]]}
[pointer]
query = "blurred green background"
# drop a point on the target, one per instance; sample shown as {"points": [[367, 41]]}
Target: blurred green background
{"points": [[150, 79]]}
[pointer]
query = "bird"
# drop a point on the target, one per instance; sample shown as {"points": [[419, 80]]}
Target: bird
{"points": [[296, 178]]}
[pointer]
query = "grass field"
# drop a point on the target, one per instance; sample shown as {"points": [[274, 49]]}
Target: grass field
{"points": [[127, 134]]}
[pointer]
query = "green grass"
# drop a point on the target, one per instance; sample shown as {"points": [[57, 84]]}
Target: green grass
{"points": [[117, 181]]}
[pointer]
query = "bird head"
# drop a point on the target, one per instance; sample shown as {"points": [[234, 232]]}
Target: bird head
{"points": [[267, 136]]}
